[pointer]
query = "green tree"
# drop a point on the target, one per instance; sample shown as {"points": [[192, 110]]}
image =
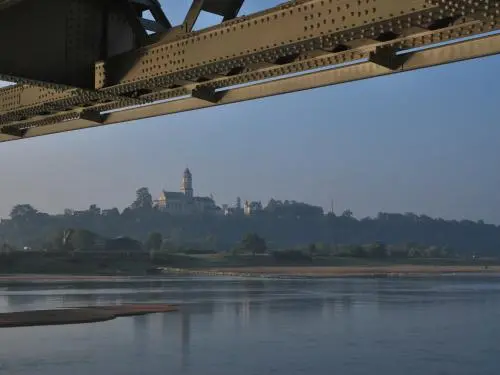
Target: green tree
{"points": [[168, 246], [112, 213], [347, 214], [312, 250], [22, 211], [83, 239], [210, 242], [436, 252], [357, 251], [177, 236], [154, 241], [378, 250], [254, 243], [59, 241], [143, 199]]}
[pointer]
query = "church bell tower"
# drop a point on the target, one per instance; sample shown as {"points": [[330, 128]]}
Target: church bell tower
{"points": [[187, 184]]}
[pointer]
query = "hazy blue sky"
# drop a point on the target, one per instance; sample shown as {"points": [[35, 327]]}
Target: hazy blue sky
{"points": [[426, 142]]}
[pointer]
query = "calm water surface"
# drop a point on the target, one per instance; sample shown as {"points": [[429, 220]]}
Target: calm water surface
{"points": [[247, 326]]}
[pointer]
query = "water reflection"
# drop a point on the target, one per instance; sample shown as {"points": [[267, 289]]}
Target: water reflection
{"points": [[202, 297], [185, 339], [141, 333], [259, 326], [327, 309], [23, 300]]}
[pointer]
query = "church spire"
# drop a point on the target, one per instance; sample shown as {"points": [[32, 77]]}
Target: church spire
{"points": [[187, 183]]}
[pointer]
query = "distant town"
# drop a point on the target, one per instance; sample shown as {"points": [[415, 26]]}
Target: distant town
{"points": [[181, 222], [184, 203]]}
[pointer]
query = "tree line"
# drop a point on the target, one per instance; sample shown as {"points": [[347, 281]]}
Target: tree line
{"points": [[283, 224]]}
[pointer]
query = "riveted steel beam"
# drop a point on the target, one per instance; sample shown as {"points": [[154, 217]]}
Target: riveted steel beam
{"points": [[228, 9], [292, 38], [386, 56], [158, 63], [207, 94], [55, 41], [13, 131], [192, 15], [278, 31], [67, 37], [134, 21], [459, 51], [415, 60], [24, 101], [154, 7], [7, 3], [20, 129]]}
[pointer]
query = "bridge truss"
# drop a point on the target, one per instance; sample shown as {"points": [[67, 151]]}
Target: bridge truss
{"points": [[84, 63]]}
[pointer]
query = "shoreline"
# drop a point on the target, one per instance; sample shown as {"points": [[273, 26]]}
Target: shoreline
{"points": [[389, 271], [339, 271]]}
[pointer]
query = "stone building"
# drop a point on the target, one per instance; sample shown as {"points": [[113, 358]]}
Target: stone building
{"points": [[184, 202]]}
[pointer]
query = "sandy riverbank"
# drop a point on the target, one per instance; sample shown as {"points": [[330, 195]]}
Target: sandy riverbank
{"points": [[344, 271], [279, 271], [48, 277]]}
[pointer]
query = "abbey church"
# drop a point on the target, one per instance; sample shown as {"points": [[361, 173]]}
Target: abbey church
{"points": [[184, 202]]}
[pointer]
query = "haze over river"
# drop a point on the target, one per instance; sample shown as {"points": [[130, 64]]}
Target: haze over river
{"points": [[227, 326]]}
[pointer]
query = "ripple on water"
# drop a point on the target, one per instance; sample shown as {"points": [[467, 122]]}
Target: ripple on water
{"points": [[352, 326]]}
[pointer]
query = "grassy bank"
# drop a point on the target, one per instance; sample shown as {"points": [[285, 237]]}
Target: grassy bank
{"points": [[136, 264]]}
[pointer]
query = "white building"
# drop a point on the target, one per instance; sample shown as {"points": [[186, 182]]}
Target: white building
{"points": [[184, 202], [251, 208]]}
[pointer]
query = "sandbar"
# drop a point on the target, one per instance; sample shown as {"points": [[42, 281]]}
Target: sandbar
{"points": [[78, 315]]}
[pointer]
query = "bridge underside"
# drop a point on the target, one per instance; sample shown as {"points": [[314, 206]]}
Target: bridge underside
{"points": [[88, 63]]}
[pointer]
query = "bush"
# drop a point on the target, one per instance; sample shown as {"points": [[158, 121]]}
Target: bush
{"points": [[291, 256], [199, 252]]}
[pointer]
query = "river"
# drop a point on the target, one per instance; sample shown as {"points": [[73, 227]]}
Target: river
{"points": [[227, 326]]}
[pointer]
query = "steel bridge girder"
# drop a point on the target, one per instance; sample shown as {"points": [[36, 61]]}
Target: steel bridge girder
{"points": [[291, 38]]}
